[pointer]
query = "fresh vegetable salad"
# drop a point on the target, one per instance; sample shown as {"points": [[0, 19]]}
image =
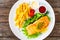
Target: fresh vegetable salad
{"points": [[33, 23]]}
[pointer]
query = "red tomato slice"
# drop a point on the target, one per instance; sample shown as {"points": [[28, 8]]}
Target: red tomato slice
{"points": [[31, 13]]}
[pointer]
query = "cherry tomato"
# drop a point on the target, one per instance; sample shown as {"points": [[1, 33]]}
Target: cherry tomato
{"points": [[31, 12], [42, 9]]}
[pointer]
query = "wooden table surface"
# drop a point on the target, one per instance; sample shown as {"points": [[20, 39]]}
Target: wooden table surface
{"points": [[5, 31]]}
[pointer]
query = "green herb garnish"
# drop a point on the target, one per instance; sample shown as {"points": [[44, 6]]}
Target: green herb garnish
{"points": [[40, 25]]}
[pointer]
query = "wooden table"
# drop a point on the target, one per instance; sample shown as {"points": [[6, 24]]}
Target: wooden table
{"points": [[5, 31]]}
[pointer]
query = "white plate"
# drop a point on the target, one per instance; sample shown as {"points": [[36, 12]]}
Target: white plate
{"points": [[18, 33]]}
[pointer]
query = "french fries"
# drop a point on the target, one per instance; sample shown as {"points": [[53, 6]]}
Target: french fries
{"points": [[21, 14]]}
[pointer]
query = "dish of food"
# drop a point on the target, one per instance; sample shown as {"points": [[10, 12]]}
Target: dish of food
{"points": [[31, 20]]}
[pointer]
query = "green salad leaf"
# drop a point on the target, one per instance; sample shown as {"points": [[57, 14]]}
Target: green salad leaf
{"points": [[31, 20], [30, 36]]}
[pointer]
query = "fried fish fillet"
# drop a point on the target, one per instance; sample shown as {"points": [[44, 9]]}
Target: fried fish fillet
{"points": [[33, 28]]}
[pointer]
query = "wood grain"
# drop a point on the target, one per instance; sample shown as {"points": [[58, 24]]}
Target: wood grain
{"points": [[52, 38], [5, 31], [10, 38], [7, 3]]}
